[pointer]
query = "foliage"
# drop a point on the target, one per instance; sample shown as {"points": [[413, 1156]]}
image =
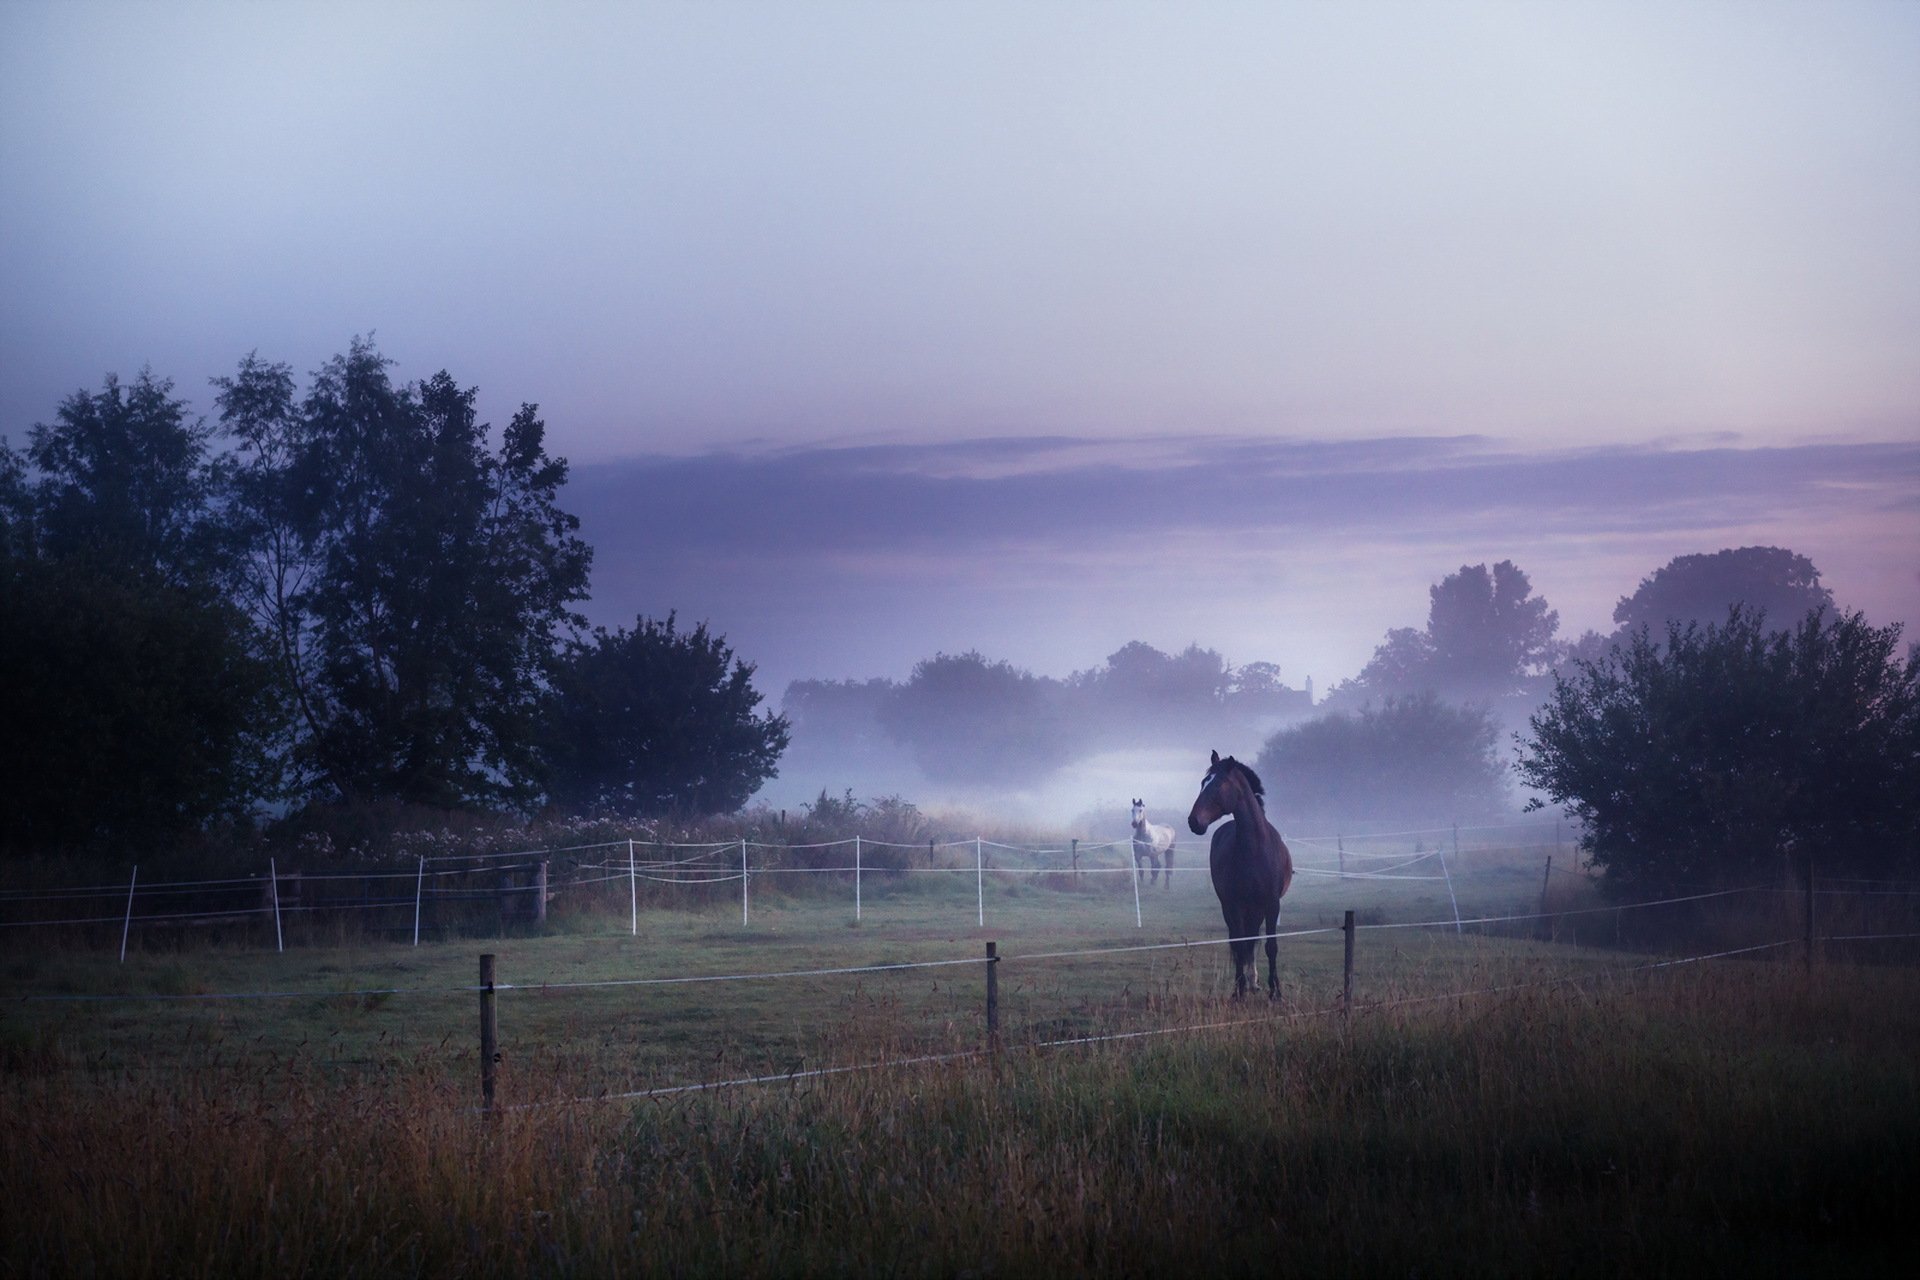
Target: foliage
{"points": [[1139, 677], [1486, 634], [1710, 758], [130, 712], [415, 582], [125, 483], [1412, 759], [134, 704], [653, 720], [966, 719], [1701, 588]]}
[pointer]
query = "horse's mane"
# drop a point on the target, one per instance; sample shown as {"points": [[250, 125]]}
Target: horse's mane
{"points": [[1253, 779]]}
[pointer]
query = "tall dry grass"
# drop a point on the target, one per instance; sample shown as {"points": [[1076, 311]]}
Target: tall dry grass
{"points": [[1741, 1119]]}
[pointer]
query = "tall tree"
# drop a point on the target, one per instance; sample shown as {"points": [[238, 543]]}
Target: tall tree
{"points": [[1486, 635], [655, 720], [416, 583], [1701, 588], [134, 704], [125, 482], [1710, 756]]}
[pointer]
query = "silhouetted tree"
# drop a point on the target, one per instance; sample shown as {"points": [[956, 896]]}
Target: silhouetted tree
{"points": [[124, 482], [1701, 588], [1708, 757], [134, 704], [1411, 759], [654, 720], [415, 582], [1486, 635], [131, 711], [965, 719]]}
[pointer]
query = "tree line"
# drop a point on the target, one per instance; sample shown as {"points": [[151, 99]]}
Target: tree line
{"points": [[351, 595], [1733, 721]]}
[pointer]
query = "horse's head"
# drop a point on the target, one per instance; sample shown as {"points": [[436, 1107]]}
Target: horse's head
{"points": [[1139, 814], [1228, 785]]}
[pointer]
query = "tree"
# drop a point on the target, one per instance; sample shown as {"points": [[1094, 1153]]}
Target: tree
{"points": [[1486, 634], [1710, 757], [1140, 675], [1488, 630], [125, 483], [131, 710], [966, 719], [1701, 588], [135, 704], [655, 720], [1412, 759], [415, 583]]}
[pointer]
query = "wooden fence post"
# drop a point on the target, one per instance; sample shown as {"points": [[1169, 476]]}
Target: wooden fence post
{"points": [[1346, 970], [1076, 860], [540, 892], [993, 995], [489, 1035]]}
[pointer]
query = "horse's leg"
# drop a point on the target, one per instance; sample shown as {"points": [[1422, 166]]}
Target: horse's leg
{"points": [[1242, 946], [1273, 956], [1155, 877]]}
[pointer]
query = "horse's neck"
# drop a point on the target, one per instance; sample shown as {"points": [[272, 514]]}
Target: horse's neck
{"points": [[1247, 809]]}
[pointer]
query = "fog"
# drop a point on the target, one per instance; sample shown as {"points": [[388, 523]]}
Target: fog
{"points": [[878, 332]]}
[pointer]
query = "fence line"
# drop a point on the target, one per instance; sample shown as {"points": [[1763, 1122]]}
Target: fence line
{"points": [[1116, 1037], [1082, 952]]}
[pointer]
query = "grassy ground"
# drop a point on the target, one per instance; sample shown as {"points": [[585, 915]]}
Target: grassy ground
{"points": [[1496, 1106]]}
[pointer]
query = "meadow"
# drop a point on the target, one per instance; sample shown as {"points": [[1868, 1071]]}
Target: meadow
{"points": [[1499, 1100]]}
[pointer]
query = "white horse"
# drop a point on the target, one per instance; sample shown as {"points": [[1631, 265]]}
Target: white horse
{"points": [[1150, 841]]}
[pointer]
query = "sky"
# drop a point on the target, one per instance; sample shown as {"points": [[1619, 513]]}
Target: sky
{"points": [[880, 330]]}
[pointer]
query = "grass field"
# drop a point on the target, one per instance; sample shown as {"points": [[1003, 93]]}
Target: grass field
{"points": [[1496, 1105]]}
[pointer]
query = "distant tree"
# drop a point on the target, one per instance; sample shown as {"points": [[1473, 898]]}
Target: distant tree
{"points": [[1411, 759], [970, 720], [1701, 588], [416, 582], [1401, 663], [1486, 634], [1488, 630], [1257, 679], [1711, 756], [1138, 673], [847, 711], [653, 721]]}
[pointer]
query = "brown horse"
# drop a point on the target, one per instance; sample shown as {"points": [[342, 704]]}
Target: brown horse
{"points": [[1251, 866]]}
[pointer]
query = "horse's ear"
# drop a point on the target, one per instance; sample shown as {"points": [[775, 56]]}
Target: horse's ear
{"points": [[1216, 757]]}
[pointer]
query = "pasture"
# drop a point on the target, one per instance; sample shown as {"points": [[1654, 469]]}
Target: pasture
{"points": [[1501, 1101]]}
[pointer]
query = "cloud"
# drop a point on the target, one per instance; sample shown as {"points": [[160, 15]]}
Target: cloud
{"points": [[957, 499], [856, 560]]}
